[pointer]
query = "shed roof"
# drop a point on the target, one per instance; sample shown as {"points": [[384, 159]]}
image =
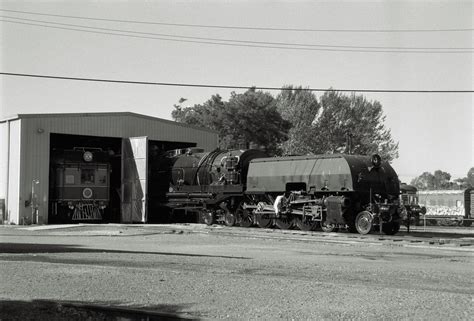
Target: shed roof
{"points": [[104, 114]]}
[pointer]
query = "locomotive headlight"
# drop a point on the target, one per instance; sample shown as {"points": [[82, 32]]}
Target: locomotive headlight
{"points": [[70, 205], [376, 160], [87, 192], [87, 156]]}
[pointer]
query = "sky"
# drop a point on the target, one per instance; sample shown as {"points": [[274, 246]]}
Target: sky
{"points": [[434, 130]]}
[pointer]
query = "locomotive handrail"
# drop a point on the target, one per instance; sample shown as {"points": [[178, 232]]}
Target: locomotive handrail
{"points": [[87, 148]]}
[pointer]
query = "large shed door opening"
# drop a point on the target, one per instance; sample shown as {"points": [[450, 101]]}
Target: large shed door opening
{"points": [[134, 179], [84, 179]]}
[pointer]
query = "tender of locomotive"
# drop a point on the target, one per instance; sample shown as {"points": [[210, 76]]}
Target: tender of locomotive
{"points": [[80, 184], [328, 191]]}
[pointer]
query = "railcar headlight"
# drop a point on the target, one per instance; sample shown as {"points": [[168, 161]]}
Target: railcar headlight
{"points": [[87, 192], [87, 156]]}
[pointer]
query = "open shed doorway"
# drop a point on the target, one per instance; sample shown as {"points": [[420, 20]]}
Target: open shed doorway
{"points": [[90, 190], [84, 179], [159, 177]]}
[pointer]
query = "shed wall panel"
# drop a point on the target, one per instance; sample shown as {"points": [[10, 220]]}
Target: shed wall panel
{"points": [[3, 159], [14, 174]]}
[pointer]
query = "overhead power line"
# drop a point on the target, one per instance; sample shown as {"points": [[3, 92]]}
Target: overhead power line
{"points": [[242, 44], [244, 28], [231, 86], [234, 40]]}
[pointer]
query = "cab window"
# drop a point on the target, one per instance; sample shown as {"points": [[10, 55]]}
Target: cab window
{"points": [[87, 176]]}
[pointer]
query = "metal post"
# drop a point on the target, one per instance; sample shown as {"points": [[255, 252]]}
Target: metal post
{"points": [[33, 202]]}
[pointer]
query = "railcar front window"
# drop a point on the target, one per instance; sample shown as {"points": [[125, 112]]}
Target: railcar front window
{"points": [[87, 176], [102, 176]]}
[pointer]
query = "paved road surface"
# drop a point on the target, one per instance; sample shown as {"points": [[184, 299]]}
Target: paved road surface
{"points": [[197, 272]]}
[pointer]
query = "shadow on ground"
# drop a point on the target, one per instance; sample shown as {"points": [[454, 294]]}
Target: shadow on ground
{"points": [[34, 248], [78, 311], [434, 234]]}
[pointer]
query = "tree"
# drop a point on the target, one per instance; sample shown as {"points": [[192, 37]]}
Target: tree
{"points": [[246, 119], [466, 182], [425, 181], [470, 177], [252, 118], [438, 180], [207, 115], [299, 107], [295, 123], [442, 180], [351, 123]]}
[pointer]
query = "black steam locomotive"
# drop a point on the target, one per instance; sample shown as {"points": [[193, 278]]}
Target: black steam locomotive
{"points": [[245, 187], [80, 184]]}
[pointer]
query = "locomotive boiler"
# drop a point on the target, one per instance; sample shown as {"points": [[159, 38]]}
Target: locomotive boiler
{"points": [[244, 187], [211, 183], [80, 184]]}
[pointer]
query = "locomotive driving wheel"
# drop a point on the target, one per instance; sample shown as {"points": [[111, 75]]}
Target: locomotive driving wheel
{"points": [[364, 222], [285, 223], [264, 221], [229, 219], [208, 217], [305, 224], [244, 216]]}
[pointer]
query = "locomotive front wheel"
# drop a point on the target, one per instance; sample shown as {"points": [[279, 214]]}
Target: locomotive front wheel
{"points": [[328, 227], [364, 222], [229, 219], [284, 223], [208, 218], [391, 228], [264, 221], [306, 225]]}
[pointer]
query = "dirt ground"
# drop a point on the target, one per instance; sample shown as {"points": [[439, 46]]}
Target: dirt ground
{"points": [[161, 272]]}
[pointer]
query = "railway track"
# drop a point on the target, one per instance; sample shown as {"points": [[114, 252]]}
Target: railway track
{"points": [[418, 236], [414, 238]]}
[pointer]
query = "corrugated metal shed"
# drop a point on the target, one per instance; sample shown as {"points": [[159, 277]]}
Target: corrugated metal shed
{"points": [[25, 139]]}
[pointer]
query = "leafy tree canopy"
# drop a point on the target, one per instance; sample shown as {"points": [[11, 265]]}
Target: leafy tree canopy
{"points": [[295, 122], [442, 180], [352, 124], [248, 119], [299, 107]]}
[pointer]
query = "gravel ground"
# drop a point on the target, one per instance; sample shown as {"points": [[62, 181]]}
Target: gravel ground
{"points": [[194, 272]]}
